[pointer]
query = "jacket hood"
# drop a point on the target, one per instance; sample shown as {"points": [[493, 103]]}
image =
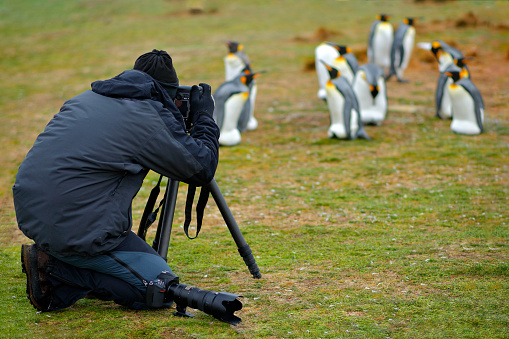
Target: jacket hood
{"points": [[133, 84]]}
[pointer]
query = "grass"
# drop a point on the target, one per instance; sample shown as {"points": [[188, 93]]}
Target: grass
{"points": [[404, 236]]}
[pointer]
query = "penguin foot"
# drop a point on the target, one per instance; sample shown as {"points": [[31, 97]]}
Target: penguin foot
{"points": [[465, 127], [252, 124], [337, 131], [403, 80], [322, 94], [230, 138], [363, 135]]}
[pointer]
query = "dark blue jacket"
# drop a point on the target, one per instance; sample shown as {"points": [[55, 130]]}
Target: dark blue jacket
{"points": [[74, 190]]}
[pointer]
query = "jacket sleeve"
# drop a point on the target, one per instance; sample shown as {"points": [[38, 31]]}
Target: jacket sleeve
{"points": [[171, 152]]}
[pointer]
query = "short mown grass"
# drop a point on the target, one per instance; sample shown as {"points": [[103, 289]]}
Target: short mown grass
{"points": [[404, 236]]}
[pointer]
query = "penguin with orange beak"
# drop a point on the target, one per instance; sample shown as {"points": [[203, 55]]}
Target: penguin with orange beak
{"points": [[230, 99], [370, 89], [340, 57], [467, 104], [443, 52], [343, 108], [442, 99], [401, 49], [236, 59], [380, 41]]}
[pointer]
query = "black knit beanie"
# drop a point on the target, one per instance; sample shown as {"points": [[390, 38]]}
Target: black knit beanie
{"points": [[158, 65]]}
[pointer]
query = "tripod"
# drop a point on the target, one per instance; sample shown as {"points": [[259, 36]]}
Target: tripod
{"points": [[162, 238]]}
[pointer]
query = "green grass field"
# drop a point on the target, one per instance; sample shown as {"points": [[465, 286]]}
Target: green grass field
{"points": [[404, 236]]}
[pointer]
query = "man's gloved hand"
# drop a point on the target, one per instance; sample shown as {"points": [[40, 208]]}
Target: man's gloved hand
{"points": [[202, 103]]}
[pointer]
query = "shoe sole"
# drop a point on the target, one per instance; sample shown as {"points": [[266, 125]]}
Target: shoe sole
{"points": [[25, 268]]}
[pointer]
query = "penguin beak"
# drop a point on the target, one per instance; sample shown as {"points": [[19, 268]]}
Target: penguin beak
{"points": [[327, 66], [348, 50]]}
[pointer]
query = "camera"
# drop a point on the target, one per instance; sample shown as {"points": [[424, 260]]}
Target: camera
{"points": [[183, 103]]}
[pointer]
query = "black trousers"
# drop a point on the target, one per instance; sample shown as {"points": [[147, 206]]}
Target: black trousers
{"points": [[120, 275]]}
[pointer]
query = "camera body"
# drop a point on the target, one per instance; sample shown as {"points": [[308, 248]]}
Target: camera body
{"points": [[183, 103]]}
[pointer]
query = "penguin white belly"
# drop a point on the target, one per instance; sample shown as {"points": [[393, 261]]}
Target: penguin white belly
{"points": [[229, 133], [463, 112], [382, 44], [445, 110], [361, 89], [233, 66], [327, 54], [336, 103], [380, 103], [372, 111], [408, 45], [252, 124]]}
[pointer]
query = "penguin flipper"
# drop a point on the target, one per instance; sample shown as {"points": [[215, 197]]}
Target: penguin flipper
{"points": [[244, 116], [439, 93]]}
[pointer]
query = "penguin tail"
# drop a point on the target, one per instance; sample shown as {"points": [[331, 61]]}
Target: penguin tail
{"points": [[361, 134]]}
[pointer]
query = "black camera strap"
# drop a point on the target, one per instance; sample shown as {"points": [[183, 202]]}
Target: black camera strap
{"points": [[200, 208], [149, 215]]}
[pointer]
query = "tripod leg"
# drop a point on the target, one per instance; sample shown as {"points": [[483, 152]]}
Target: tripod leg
{"points": [[242, 246], [162, 239]]}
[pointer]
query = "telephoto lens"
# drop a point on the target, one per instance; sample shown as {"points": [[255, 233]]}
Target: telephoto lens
{"points": [[220, 305]]}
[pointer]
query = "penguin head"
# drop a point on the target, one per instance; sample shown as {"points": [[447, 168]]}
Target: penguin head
{"points": [[334, 73], [342, 49], [454, 74], [410, 21], [436, 48], [460, 62], [248, 77], [233, 46], [383, 17], [247, 69]]}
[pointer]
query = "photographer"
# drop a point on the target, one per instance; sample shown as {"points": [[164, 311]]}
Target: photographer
{"points": [[74, 190]]}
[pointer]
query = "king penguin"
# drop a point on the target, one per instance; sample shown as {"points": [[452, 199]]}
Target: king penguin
{"points": [[369, 87], [235, 61], [230, 98], [247, 121], [467, 104], [442, 99], [380, 40], [339, 56], [444, 53], [343, 108], [402, 46]]}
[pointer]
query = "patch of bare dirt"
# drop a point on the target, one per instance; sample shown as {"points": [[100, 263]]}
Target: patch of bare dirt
{"points": [[321, 34]]}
